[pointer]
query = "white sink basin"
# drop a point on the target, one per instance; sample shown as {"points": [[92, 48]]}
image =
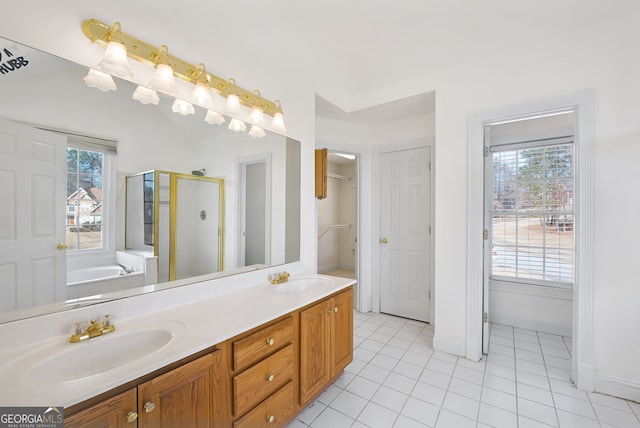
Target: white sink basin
{"points": [[95, 356], [299, 284]]}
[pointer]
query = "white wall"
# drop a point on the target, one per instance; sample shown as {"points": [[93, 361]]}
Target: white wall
{"points": [[602, 56]]}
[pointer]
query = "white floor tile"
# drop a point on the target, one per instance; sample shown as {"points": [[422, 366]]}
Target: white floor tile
{"points": [[365, 388], [404, 383], [468, 375], [448, 419], [429, 393], [539, 395], [421, 411], [434, 378], [376, 416], [330, 418], [574, 405], [497, 418], [571, 420], [374, 373], [349, 404], [616, 417], [441, 366], [537, 411], [465, 388], [499, 399], [400, 383], [390, 398], [461, 405], [405, 422], [384, 361]]}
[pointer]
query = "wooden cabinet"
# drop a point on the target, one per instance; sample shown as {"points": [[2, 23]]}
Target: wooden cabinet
{"points": [[117, 412], [326, 343], [182, 397], [263, 375]]}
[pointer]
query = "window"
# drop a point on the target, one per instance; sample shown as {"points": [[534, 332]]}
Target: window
{"points": [[88, 170], [532, 212]]}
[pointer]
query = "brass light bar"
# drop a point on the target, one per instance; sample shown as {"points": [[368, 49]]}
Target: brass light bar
{"points": [[100, 34]]}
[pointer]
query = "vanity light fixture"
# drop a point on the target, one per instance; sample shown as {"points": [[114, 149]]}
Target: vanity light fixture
{"points": [[256, 132], [237, 125], [115, 58], [168, 67], [98, 79], [214, 118], [146, 95], [163, 79], [183, 107]]}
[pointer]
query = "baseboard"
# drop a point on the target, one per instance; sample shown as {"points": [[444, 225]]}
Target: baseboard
{"points": [[617, 387], [326, 269], [449, 347], [537, 325]]}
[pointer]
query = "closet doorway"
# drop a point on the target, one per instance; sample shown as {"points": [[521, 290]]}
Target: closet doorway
{"points": [[338, 217]]}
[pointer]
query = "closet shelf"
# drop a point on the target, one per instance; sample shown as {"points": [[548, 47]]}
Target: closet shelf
{"points": [[324, 229], [338, 176]]}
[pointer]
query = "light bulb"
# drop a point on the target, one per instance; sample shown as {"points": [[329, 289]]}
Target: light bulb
{"points": [[163, 79], [256, 132], [182, 107], [256, 116], [98, 79], [278, 123], [146, 95], [115, 60], [237, 125], [201, 95], [214, 118], [233, 102]]}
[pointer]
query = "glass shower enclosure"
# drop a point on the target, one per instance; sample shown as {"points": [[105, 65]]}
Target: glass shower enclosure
{"points": [[179, 218]]}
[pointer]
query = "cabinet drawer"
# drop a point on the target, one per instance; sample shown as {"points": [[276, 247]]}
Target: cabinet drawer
{"points": [[256, 383], [275, 411], [262, 343]]}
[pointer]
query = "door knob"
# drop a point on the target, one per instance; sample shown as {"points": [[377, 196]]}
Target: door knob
{"points": [[384, 240], [61, 246], [149, 407], [131, 416]]}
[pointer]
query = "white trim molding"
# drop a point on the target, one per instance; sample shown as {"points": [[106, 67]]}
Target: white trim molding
{"points": [[583, 103], [617, 387]]}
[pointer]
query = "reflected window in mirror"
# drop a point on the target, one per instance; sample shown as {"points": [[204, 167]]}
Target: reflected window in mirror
{"points": [[87, 196]]}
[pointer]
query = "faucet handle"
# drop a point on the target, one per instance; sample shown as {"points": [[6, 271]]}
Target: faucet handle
{"points": [[108, 319]]}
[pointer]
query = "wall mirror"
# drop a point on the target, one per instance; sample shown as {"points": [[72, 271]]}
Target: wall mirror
{"points": [[47, 109]]}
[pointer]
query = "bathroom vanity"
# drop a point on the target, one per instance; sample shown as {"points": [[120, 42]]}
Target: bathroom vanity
{"points": [[252, 357]]}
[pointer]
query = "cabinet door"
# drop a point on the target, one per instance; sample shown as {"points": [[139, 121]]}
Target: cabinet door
{"points": [[315, 369], [112, 413], [341, 331], [182, 397]]}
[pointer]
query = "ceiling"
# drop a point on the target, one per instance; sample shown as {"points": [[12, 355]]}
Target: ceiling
{"points": [[343, 49]]}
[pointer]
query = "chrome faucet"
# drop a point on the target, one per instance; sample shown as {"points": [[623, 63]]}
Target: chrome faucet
{"points": [[126, 270], [95, 329], [279, 278]]}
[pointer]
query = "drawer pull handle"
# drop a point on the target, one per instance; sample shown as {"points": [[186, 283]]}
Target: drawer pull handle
{"points": [[149, 407], [271, 419], [335, 309], [270, 341], [270, 377], [131, 416]]}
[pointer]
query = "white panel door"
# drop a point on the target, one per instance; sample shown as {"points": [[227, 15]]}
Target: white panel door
{"points": [[32, 223], [405, 245]]}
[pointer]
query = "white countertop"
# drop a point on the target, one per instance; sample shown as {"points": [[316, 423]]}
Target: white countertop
{"points": [[195, 326]]}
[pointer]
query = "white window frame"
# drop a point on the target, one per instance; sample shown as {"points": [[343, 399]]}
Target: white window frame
{"points": [[536, 140], [108, 149]]}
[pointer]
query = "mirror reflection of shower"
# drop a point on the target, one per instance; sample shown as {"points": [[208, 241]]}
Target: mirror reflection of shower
{"points": [[178, 218]]}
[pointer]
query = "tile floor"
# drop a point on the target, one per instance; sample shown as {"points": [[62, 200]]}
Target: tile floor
{"points": [[398, 380]]}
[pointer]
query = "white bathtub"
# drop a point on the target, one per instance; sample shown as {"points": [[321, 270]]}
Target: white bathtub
{"points": [[101, 279]]}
